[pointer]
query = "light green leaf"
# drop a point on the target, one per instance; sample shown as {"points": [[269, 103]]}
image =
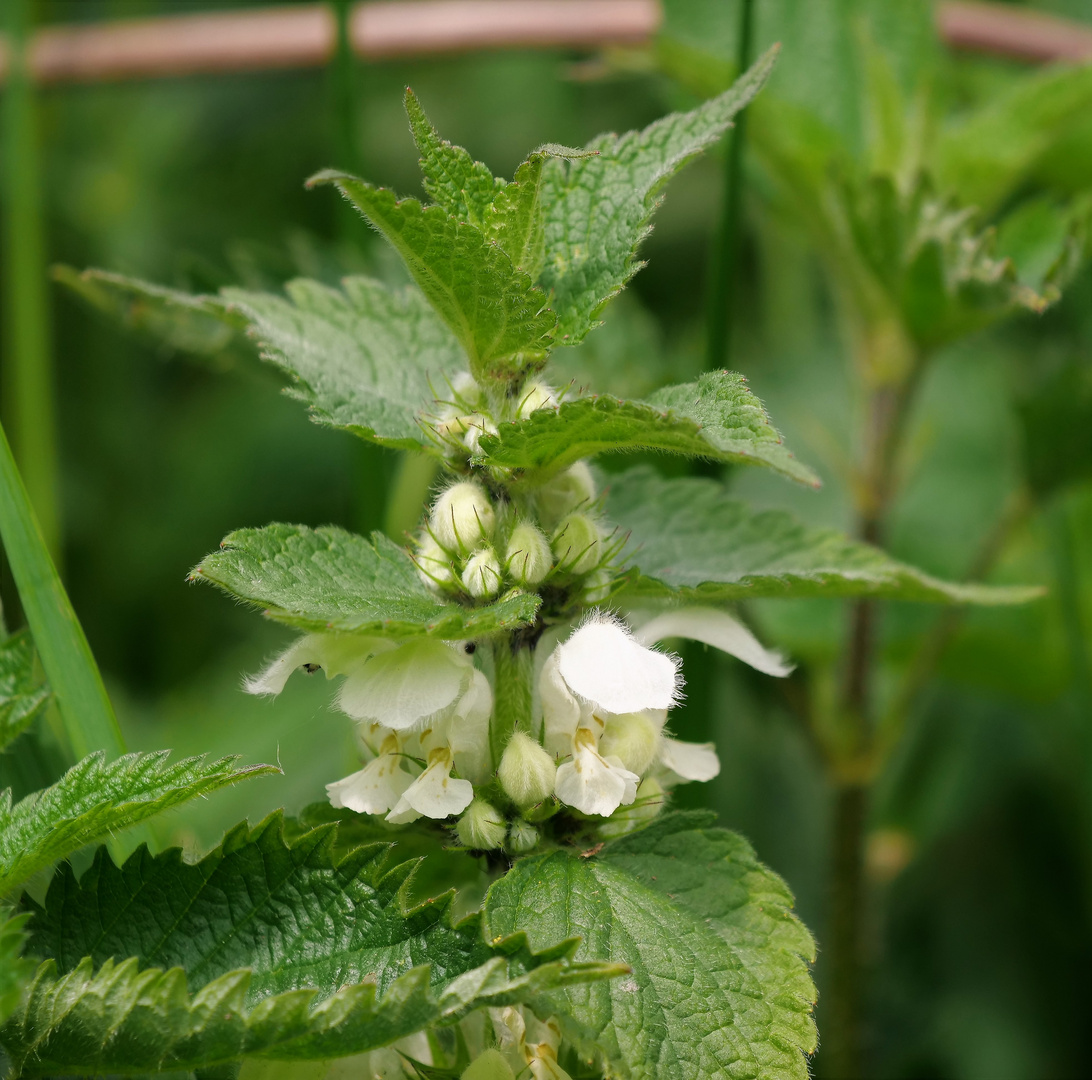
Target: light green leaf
{"points": [[465, 188], [720, 987], [365, 358], [73, 675], [498, 315], [691, 541], [307, 927], [95, 799], [330, 579], [15, 970], [22, 695], [596, 209], [717, 417]]}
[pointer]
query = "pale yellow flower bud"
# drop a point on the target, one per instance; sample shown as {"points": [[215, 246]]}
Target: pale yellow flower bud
{"points": [[598, 586], [632, 738], [526, 771], [528, 556], [481, 827], [489, 1066], [462, 517], [482, 575], [522, 837], [577, 544], [571, 490], [536, 395], [434, 564]]}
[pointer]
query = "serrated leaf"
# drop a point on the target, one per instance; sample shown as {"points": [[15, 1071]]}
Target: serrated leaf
{"points": [[364, 358], [720, 987], [330, 579], [95, 799], [689, 540], [307, 926], [22, 693], [499, 316], [15, 969], [120, 1020], [465, 188], [596, 209], [717, 417]]}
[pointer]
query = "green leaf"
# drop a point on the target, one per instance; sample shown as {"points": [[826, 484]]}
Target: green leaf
{"points": [[364, 358], [15, 970], [22, 695], [330, 579], [307, 926], [720, 987], [73, 675], [499, 316], [596, 209], [95, 799], [465, 188], [693, 542], [717, 417]]}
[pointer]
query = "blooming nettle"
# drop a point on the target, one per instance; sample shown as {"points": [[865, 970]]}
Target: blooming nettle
{"points": [[532, 734]]}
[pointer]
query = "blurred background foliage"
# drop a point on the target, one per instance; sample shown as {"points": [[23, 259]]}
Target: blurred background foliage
{"points": [[979, 849]]}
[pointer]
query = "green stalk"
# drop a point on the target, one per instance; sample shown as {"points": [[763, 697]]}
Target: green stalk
{"points": [[74, 678], [513, 678], [724, 263], [27, 376]]}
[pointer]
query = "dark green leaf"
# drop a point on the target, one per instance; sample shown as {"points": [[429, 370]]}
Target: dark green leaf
{"points": [[719, 986], [15, 969], [717, 417], [22, 695], [330, 579], [691, 541], [596, 209], [95, 799], [498, 315]]}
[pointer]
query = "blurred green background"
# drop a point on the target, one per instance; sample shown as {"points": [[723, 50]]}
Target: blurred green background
{"points": [[980, 850]]}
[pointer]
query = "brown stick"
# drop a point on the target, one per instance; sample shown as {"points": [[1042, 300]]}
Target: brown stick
{"points": [[286, 37]]}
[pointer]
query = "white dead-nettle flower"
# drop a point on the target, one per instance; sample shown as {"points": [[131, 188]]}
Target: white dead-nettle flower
{"points": [[379, 785], [527, 1042], [605, 694], [573, 489], [462, 517]]}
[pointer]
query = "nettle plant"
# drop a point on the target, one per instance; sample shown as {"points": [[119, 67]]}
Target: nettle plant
{"points": [[508, 675]]}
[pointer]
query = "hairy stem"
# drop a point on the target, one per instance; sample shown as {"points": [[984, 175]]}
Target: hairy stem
{"points": [[513, 677]]}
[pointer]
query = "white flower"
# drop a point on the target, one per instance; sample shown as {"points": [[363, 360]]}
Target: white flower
{"points": [[435, 793], [378, 786], [527, 1041], [605, 695], [335, 654]]}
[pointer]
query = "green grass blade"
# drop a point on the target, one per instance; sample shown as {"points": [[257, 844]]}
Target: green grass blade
{"points": [[85, 709]]}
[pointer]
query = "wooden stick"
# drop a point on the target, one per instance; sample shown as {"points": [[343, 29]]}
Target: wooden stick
{"points": [[303, 36]]}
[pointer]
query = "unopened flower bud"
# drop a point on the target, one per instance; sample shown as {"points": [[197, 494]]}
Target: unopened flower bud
{"points": [[481, 827], [522, 837], [475, 426], [465, 390], [482, 575], [576, 544], [462, 517], [489, 1066], [598, 586], [433, 563], [526, 771], [645, 808], [631, 738], [568, 491], [536, 395], [528, 556]]}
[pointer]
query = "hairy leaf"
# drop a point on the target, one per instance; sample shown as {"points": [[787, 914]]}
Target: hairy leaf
{"points": [[716, 417], [691, 541], [499, 316], [22, 695], [596, 209], [15, 969], [720, 987], [365, 358], [330, 579], [465, 188], [122, 1020], [95, 799]]}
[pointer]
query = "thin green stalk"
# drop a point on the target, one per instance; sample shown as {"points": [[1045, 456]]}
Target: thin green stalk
{"points": [[27, 375], [724, 261], [74, 678], [513, 678], [1068, 587]]}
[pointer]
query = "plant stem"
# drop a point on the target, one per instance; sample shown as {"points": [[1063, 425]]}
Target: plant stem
{"points": [[723, 268], [28, 378], [513, 678]]}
